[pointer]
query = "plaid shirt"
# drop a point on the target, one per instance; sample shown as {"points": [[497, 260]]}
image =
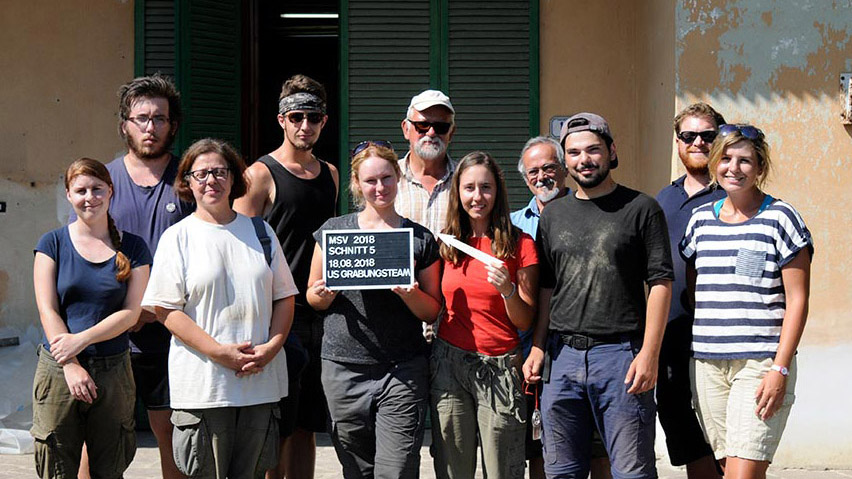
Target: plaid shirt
{"points": [[416, 204]]}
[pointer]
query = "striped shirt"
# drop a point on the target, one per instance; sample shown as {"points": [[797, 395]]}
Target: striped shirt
{"points": [[417, 204], [739, 293]]}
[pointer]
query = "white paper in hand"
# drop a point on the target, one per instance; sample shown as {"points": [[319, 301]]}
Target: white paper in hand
{"points": [[470, 250]]}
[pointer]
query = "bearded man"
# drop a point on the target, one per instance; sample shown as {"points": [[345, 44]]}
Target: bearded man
{"points": [[695, 129], [424, 188]]}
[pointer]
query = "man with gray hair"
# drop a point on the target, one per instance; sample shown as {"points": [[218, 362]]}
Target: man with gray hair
{"points": [[542, 165], [424, 188]]}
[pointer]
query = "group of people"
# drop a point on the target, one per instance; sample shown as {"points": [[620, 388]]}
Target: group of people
{"points": [[590, 299]]}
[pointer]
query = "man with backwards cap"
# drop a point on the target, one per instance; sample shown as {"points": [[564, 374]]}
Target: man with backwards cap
{"points": [[424, 188], [296, 193], [597, 340]]}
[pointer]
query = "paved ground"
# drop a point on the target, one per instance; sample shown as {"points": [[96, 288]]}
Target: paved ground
{"points": [[147, 465]]}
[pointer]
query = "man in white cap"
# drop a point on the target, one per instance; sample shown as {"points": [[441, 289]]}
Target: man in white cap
{"points": [[424, 188]]}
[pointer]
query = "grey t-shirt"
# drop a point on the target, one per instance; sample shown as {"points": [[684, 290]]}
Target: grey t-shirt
{"points": [[374, 326]]}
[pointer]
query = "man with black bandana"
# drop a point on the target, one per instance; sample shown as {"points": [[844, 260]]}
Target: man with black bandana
{"points": [[600, 247], [296, 193]]}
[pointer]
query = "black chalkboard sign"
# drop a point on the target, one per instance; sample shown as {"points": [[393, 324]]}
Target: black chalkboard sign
{"points": [[368, 259]]}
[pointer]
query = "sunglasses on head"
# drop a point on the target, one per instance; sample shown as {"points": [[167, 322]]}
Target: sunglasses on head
{"points": [[423, 127], [297, 117], [747, 131], [707, 136], [364, 144]]}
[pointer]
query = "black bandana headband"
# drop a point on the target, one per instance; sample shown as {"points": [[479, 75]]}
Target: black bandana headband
{"points": [[301, 101]]}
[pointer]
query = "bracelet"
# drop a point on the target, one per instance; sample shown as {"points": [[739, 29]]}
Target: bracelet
{"points": [[514, 288]]}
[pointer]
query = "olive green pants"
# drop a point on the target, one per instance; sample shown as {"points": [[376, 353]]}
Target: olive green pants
{"points": [[477, 395], [61, 423]]}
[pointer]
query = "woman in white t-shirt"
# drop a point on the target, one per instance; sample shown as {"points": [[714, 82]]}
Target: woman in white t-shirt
{"points": [[229, 308], [749, 258]]}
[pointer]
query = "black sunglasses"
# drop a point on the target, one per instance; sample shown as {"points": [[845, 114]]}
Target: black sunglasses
{"points": [[364, 144], [423, 127], [747, 131], [707, 136], [297, 117]]}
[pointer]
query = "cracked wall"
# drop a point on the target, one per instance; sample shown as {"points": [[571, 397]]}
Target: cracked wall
{"points": [[776, 64]]}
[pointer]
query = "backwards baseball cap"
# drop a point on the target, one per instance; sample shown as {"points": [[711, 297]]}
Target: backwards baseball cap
{"points": [[587, 122], [430, 98]]}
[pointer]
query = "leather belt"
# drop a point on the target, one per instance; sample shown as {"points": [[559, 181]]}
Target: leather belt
{"points": [[582, 342]]}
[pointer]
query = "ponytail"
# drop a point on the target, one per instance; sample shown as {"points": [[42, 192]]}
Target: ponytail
{"points": [[122, 264]]}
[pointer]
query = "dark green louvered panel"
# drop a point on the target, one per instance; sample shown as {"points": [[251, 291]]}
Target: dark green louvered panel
{"points": [[159, 37], [388, 64], [209, 70], [489, 82]]}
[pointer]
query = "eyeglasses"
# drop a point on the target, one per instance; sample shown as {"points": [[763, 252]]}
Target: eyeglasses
{"points": [[747, 131], [688, 137], [297, 117], [547, 169], [364, 144], [423, 127], [201, 175], [142, 120]]}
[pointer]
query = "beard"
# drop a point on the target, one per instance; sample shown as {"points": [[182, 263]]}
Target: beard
{"points": [[157, 150], [595, 179], [430, 148], [303, 145], [695, 167], [551, 190]]}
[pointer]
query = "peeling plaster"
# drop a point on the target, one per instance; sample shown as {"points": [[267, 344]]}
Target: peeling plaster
{"points": [[755, 45]]}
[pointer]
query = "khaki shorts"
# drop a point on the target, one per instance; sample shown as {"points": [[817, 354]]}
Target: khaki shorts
{"points": [[723, 392]]}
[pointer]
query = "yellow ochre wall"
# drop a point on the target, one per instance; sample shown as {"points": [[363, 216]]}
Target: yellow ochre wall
{"points": [[60, 66]]}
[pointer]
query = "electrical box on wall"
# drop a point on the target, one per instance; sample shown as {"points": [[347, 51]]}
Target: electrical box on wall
{"points": [[846, 97]]}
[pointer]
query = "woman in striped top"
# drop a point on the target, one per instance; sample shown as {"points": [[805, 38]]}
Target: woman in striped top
{"points": [[750, 260]]}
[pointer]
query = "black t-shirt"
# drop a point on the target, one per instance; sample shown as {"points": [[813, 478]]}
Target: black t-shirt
{"points": [[374, 326], [597, 255]]}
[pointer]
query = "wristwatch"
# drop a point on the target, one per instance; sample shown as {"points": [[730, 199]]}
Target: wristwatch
{"points": [[781, 369]]}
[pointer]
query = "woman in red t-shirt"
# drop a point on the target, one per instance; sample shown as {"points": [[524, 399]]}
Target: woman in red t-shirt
{"points": [[475, 365]]}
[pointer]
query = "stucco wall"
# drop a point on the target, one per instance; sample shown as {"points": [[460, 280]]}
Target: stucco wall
{"points": [[60, 66], [777, 65], [605, 57]]}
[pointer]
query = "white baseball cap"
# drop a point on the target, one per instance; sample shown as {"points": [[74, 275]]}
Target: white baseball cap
{"points": [[430, 98]]}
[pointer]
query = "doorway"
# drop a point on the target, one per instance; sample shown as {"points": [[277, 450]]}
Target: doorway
{"points": [[287, 37]]}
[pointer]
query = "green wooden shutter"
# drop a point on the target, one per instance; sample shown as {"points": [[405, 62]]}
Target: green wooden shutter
{"points": [[388, 64], [209, 70], [489, 82], [155, 37]]}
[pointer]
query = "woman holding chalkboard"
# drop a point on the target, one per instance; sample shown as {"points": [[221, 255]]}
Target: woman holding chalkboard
{"points": [[476, 359], [374, 367]]}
